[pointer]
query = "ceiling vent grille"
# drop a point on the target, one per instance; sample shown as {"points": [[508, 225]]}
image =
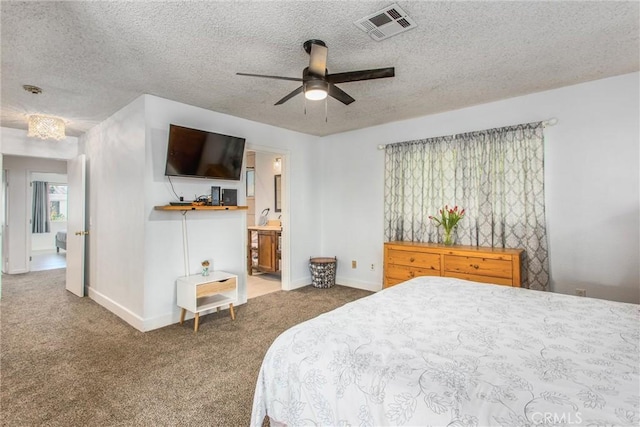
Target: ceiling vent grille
{"points": [[385, 23]]}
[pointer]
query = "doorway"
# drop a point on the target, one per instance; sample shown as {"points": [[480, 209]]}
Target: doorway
{"points": [[18, 237], [48, 228], [265, 222]]}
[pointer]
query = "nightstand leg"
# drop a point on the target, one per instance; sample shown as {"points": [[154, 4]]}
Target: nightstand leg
{"points": [[182, 313], [196, 319], [233, 314], [217, 309]]}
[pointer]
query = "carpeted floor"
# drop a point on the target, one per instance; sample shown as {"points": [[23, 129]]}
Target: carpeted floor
{"points": [[66, 361]]}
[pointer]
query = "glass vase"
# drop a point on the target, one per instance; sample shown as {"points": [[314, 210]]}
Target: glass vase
{"points": [[448, 236]]}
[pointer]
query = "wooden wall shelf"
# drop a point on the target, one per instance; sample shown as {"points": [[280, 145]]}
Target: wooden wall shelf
{"points": [[198, 208]]}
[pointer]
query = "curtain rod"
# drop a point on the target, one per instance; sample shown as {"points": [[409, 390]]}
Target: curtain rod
{"points": [[549, 122]]}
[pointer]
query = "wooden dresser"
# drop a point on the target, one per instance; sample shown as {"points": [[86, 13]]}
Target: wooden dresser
{"points": [[406, 260]]}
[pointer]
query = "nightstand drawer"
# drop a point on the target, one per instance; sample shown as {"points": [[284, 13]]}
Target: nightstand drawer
{"points": [[211, 288], [413, 258], [492, 267]]}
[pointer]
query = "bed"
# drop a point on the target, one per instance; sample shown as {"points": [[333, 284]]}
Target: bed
{"points": [[61, 240], [440, 351]]}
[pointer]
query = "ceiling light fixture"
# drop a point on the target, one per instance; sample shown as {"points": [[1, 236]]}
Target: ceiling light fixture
{"points": [[45, 127], [315, 90]]}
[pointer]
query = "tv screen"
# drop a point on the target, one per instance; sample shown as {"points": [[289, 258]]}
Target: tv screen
{"points": [[202, 154]]}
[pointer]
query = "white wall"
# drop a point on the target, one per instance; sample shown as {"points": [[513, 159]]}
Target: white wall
{"points": [[16, 142], [115, 152], [136, 252], [19, 203], [591, 174]]}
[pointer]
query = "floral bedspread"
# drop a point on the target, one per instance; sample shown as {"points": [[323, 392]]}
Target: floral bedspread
{"points": [[437, 351]]}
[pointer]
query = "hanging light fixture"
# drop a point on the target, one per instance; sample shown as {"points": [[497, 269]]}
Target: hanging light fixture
{"points": [[45, 127]]}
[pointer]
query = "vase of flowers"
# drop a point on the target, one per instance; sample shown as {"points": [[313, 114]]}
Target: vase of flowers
{"points": [[448, 220]]}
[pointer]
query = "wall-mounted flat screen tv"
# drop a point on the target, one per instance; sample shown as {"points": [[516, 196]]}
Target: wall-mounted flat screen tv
{"points": [[201, 154]]}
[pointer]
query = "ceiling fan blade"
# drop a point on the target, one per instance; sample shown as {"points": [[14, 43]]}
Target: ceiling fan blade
{"points": [[318, 59], [288, 97], [354, 76], [295, 79], [340, 95]]}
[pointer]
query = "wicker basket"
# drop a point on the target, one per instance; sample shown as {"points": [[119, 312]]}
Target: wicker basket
{"points": [[323, 271]]}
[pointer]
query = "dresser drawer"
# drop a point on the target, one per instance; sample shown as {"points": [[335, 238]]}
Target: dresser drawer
{"points": [[417, 259], [478, 266], [391, 281], [404, 272], [481, 279], [211, 288]]}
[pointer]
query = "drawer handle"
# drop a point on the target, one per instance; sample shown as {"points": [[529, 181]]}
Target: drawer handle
{"points": [[412, 259], [476, 266]]}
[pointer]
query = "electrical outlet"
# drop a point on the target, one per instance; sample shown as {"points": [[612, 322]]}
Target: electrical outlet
{"points": [[354, 264], [373, 267], [581, 292]]}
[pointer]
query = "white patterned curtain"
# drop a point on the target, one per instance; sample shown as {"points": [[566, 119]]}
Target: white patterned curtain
{"points": [[497, 175], [40, 208]]}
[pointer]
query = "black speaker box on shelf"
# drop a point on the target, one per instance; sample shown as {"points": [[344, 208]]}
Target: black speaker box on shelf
{"points": [[215, 196], [229, 197]]}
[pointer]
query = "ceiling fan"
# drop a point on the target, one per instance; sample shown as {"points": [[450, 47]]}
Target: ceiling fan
{"points": [[317, 84]]}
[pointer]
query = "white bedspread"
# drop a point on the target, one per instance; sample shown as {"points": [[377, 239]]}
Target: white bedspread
{"points": [[438, 351]]}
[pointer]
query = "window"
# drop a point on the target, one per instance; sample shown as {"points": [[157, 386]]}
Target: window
{"points": [[58, 202]]}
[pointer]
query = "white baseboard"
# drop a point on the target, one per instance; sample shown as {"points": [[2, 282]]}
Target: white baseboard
{"points": [[351, 283], [300, 283], [117, 309], [145, 325], [164, 320], [358, 284]]}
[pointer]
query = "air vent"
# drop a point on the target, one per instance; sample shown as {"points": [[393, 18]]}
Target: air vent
{"points": [[385, 23]]}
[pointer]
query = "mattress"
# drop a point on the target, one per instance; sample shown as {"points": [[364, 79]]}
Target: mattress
{"points": [[441, 351]]}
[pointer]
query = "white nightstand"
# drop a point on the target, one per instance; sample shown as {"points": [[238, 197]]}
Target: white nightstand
{"points": [[198, 293]]}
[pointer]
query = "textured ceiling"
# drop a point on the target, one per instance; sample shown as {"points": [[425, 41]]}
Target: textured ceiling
{"points": [[93, 58]]}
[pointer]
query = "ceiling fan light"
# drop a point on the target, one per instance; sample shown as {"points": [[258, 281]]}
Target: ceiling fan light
{"points": [[45, 127], [315, 90], [315, 94]]}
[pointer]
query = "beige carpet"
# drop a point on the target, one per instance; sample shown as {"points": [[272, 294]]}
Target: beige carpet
{"points": [[66, 361]]}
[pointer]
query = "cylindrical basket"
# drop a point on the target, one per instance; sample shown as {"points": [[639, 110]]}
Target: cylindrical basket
{"points": [[323, 271]]}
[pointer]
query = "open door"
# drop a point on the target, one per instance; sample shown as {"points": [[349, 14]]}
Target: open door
{"points": [[76, 175]]}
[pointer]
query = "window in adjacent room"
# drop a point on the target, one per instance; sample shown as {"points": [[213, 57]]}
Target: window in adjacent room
{"points": [[58, 202]]}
